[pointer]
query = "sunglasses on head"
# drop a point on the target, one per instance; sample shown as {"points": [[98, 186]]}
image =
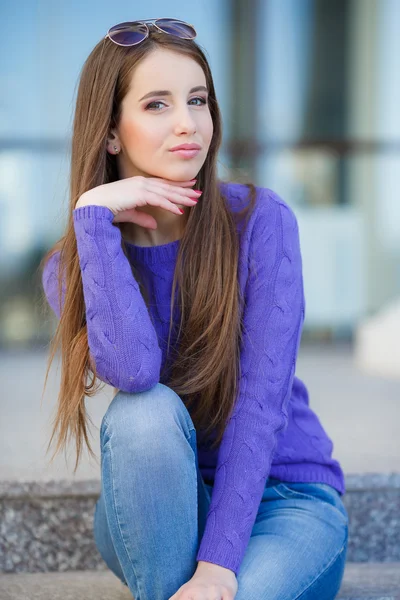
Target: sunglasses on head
{"points": [[134, 32]]}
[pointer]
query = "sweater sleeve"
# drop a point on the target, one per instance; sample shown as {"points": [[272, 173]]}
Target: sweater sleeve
{"points": [[273, 317], [122, 340]]}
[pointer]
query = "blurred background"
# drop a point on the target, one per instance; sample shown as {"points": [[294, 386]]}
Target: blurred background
{"points": [[310, 95]]}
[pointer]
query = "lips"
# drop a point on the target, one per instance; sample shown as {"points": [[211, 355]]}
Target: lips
{"points": [[186, 147]]}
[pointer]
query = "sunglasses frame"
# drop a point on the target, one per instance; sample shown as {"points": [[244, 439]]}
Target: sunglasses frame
{"points": [[144, 22]]}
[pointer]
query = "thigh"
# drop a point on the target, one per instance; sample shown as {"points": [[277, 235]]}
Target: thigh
{"points": [[298, 545]]}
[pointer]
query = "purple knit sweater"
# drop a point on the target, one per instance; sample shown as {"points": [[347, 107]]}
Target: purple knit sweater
{"points": [[273, 432]]}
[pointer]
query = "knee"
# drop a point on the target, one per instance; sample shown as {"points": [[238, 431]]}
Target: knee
{"points": [[142, 414]]}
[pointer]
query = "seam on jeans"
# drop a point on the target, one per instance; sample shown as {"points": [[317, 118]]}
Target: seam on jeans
{"points": [[190, 437], [285, 497], [104, 424], [292, 494], [326, 568], [104, 557], [118, 523]]}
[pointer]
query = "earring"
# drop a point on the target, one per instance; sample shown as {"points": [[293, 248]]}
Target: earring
{"points": [[116, 150]]}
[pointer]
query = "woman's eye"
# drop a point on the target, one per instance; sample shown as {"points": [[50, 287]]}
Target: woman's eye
{"points": [[202, 100], [149, 106]]}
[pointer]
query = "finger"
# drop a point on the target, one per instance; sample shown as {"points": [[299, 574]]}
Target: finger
{"points": [[154, 199], [135, 216], [174, 195], [187, 192], [144, 220]]}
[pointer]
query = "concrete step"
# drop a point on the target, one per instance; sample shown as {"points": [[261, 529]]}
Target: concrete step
{"points": [[49, 526], [374, 581]]}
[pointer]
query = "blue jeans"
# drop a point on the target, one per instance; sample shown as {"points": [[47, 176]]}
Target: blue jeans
{"points": [[151, 513]]}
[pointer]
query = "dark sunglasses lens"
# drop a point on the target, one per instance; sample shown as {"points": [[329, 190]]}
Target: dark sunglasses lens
{"points": [[178, 28], [128, 34]]}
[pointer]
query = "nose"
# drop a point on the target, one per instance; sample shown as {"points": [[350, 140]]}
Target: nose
{"points": [[185, 120]]}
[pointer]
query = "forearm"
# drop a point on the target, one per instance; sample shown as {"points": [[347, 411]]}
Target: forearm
{"points": [[122, 340], [121, 335]]}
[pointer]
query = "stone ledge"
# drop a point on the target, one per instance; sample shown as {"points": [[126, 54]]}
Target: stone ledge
{"points": [[49, 526], [360, 582], [65, 488], [367, 581], [372, 481], [49, 489]]}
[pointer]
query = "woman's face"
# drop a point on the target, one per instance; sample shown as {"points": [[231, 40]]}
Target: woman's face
{"points": [[151, 126]]}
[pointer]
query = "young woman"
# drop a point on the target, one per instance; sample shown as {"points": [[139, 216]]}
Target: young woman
{"points": [[217, 479]]}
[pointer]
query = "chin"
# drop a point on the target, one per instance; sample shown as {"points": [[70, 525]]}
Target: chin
{"points": [[187, 176]]}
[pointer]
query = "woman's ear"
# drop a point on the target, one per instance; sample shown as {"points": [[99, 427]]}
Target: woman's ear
{"points": [[113, 143]]}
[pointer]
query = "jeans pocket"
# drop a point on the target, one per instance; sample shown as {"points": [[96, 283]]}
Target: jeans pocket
{"points": [[314, 491]]}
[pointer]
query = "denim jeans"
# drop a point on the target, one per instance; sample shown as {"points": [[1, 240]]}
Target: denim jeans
{"points": [[151, 513]]}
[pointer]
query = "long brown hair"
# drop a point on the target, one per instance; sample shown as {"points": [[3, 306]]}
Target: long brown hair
{"points": [[206, 370]]}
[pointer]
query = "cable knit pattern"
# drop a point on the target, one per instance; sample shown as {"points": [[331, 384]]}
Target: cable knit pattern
{"points": [[272, 432], [121, 337], [273, 319]]}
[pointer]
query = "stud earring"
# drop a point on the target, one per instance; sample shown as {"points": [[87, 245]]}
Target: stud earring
{"points": [[116, 150]]}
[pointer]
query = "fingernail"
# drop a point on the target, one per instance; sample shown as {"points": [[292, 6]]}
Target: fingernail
{"points": [[198, 192], [182, 211]]}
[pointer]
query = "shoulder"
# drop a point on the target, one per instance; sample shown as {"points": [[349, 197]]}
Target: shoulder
{"points": [[51, 267], [51, 274], [270, 210]]}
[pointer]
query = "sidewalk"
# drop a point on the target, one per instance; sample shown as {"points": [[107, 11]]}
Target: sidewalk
{"points": [[360, 582], [359, 412]]}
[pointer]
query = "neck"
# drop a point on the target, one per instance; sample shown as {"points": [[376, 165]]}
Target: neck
{"points": [[170, 227]]}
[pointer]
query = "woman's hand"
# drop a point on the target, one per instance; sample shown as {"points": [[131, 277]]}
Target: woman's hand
{"points": [[124, 196], [210, 582]]}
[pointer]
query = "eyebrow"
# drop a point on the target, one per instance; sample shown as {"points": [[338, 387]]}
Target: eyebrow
{"points": [[168, 93]]}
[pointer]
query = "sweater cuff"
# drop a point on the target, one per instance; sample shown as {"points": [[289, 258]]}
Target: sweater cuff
{"points": [[221, 553], [92, 211]]}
